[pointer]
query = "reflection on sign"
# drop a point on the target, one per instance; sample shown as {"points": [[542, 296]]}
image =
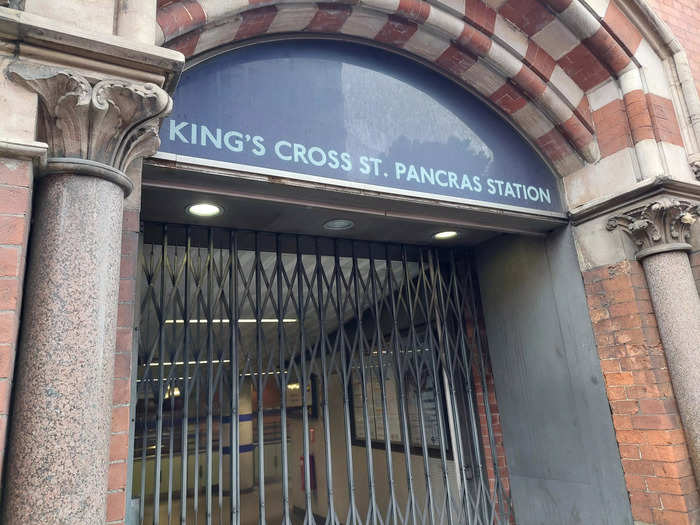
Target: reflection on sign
{"points": [[351, 115]]}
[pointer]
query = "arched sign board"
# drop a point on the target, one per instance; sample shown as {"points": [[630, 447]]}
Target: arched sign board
{"points": [[355, 116]]}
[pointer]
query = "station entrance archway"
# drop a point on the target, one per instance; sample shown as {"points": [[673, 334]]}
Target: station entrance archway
{"points": [[376, 375]]}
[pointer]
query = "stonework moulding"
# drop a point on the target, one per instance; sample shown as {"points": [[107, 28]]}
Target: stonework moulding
{"points": [[659, 226], [95, 130], [694, 160]]}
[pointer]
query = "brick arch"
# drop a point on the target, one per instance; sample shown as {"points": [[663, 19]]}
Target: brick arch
{"points": [[535, 60]]}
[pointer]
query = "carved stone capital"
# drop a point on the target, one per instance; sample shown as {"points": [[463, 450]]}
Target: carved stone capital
{"points": [[106, 125], [660, 226]]}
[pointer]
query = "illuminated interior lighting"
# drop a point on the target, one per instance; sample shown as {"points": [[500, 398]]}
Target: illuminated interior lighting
{"points": [[249, 374], [204, 209], [217, 361], [441, 236], [213, 361], [338, 224], [172, 392], [224, 321]]}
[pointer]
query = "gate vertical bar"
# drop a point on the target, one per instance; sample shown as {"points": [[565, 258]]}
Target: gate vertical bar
{"points": [[448, 361], [197, 387], [221, 370], [360, 348], [173, 295], [145, 386], [210, 368], [260, 384], [459, 305], [401, 391], [186, 375], [346, 370], [431, 309], [308, 518], [161, 351], [171, 443], [283, 377], [235, 379], [392, 516], [467, 358], [436, 357], [331, 518], [417, 365]]}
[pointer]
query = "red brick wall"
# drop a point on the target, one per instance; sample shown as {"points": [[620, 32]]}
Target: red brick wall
{"points": [[15, 212], [683, 18], [497, 432], [119, 449], [647, 425], [481, 404]]}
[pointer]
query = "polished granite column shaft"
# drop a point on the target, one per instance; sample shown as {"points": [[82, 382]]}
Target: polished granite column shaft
{"points": [[677, 308], [61, 416], [58, 454], [660, 231]]}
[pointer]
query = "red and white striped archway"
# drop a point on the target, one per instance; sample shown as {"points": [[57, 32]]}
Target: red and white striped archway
{"points": [[578, 79]]}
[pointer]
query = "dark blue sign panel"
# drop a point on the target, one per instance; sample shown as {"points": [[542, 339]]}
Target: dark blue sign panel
{"points": [[355, 116]]}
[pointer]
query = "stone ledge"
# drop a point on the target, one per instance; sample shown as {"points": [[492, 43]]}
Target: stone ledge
{"points": [[36, 151], [26, 29], [646, 189]]}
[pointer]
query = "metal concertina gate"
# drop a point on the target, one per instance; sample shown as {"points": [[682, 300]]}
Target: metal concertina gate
{"points": [[341, 374]]}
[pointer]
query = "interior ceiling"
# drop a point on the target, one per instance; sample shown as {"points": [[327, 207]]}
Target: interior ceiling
{"points": [[258, 203], [332, 317], [169, 205]]}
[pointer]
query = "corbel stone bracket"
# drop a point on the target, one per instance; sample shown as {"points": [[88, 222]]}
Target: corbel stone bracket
{"points": [[694, 161], [659, 226], [94, 129]]}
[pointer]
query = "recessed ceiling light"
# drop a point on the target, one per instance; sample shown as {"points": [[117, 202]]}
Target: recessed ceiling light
{"points": [[441, 236], [338, 224], [204, 209]]}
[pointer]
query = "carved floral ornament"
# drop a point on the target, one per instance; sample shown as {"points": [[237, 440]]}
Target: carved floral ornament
{"points": [[95, 129], [660, 226]]}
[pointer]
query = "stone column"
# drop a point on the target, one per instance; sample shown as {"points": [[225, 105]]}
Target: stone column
{"points": [[660, 231], [60, 423]]}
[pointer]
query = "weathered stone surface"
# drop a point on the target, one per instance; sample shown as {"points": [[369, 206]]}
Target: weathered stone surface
{"points": [[60, 428], [661, 231], [677, 308], [660, 226], [112, 122], [61, 416]]}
